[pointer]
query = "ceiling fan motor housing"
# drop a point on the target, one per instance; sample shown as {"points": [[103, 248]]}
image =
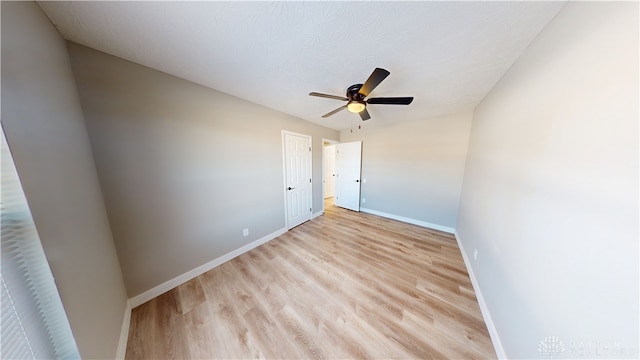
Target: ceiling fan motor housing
{"points": [[356, 100], [353, 93]]}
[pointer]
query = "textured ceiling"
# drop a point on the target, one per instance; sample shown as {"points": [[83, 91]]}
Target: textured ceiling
{"points": [[448, 55]]}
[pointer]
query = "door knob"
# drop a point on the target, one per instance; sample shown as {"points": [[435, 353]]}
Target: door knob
{"points": [[357, 180], [290, 188]]}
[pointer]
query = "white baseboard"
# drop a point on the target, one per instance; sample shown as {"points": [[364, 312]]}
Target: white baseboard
{"points": [[180, 279], [124, 332], [317, 214], [409, 220], [488, 320]]}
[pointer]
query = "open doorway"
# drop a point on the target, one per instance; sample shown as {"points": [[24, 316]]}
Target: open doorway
{"points": [[328, 172], [341, 172], [348, 169]]}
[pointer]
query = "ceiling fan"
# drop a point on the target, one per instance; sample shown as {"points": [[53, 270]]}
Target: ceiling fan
{"points": [[357, 93]]}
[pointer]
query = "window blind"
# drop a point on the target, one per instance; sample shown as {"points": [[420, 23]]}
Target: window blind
{"points": [[33, 322]]}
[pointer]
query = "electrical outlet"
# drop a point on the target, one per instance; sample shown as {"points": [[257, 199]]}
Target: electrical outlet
{"points": [[245, 232], [475, 254], [364, 181], [364, 200]]}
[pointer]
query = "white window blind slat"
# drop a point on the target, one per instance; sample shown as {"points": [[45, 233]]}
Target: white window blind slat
{"points": [[15, 343], [33, 321]]}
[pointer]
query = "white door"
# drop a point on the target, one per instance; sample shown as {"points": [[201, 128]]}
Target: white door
{"points": [[297, 175], [329, 157], [348, 161]]}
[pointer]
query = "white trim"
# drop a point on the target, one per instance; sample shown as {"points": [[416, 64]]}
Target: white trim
{"points": [[315, 215], [330, 141], [409, 220], [124, 332], [180, 279], [284, 178], [488, 320]]}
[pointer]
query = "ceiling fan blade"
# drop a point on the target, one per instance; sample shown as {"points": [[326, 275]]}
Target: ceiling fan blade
{"points": [[374, 80], [391, 100], [334, 111], [364, 115], [328, 96]]}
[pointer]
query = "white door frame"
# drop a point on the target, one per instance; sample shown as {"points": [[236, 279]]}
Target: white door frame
{"points": [[332, 142], [284, 174]]}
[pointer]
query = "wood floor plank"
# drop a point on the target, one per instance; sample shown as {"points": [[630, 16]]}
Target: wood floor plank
{"points": [[191, 295], [344, 285], [143, 329], [168, 324]]}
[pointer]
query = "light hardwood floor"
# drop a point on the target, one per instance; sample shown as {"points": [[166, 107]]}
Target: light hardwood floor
{"points": [[344, 285]]}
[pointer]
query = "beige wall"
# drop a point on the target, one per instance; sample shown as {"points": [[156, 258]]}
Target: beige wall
{"points": [[43, 123], [550, 195], [183, 168], [414, 169]]}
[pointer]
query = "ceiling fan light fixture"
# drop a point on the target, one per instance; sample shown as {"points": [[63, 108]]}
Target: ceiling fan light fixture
{"points": [[355, 106]]}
